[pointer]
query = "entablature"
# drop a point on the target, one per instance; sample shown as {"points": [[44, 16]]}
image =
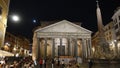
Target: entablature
{"points": [[63, 34]]}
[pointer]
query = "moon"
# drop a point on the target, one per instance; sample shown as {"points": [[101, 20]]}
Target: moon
{"points": [[15, 18]]}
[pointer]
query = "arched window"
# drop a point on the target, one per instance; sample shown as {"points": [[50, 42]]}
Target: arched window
{"points": [[0, 10]]}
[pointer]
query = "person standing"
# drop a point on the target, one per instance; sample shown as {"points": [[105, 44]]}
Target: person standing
{"points": [[35, 62], [62, 62], [58, 61], [15, 64], [53, 63], [41, 62], [90, 63], [45, 63]]}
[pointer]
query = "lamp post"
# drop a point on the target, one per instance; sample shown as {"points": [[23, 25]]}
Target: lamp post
{"points": [[93, 50], [116, 47], [14, 50]]}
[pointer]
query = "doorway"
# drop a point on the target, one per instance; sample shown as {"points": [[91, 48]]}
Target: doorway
{"points": [[61, 52]]}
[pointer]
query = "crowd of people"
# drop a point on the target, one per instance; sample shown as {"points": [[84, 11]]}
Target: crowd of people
{"points": [[58, 63], [25, 62]]}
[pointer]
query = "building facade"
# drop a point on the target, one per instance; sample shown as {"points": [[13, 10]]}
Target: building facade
{"points": [[61, 39], [116, 20], [16, 44], [104, 42], [110, 37], [4, 8], [109, 32]]}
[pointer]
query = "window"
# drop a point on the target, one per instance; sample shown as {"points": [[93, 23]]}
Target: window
{"points": [[109, 33], [117, 33], [109, 27], [115, 21], [119, 39], [119, 24], [110, 37], [107, 38], [116, 26], [119, 17], [0, 10]]}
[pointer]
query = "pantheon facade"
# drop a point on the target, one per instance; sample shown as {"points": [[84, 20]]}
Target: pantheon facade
{"points": [[63, 38]]}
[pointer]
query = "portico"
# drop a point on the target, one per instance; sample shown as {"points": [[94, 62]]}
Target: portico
{"points": [[62, 39]]}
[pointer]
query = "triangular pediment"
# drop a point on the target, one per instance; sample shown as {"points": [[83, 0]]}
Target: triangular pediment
{"points": [[63, 26]]}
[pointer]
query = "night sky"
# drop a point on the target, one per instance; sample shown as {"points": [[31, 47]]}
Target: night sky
{"points": [[83, 11]]}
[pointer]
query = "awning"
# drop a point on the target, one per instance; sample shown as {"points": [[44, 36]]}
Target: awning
{"points": [[5, 53]]}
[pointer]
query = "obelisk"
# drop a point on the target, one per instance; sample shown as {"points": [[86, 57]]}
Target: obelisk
{"points": [[99, 19], [102, 45]]}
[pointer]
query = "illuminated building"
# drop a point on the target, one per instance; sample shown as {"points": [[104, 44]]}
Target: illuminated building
{"points": [[62, 38], [4, 8], [116, 20], [17, 44]]}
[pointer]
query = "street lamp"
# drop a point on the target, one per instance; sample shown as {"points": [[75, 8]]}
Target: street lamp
{"points": [[14, 49], [93, 49], [116, 47]]}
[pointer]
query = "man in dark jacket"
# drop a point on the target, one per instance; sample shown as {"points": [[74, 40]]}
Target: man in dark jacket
{"points": [[90, 63]]}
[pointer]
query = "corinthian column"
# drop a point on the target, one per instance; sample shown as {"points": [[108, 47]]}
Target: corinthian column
{"points": [[60, 46], [38, 50], [69, 47], [83, 50], [53, 48], [76, 49], [35, 47], [45, 48], [90, 47]]}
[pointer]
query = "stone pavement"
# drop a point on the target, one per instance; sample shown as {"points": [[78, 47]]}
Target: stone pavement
{"points": [[107, 65], [85, 65], [49, 65]]}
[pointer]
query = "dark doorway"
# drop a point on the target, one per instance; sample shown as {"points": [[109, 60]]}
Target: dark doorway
{"points": [[61, 52]]}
